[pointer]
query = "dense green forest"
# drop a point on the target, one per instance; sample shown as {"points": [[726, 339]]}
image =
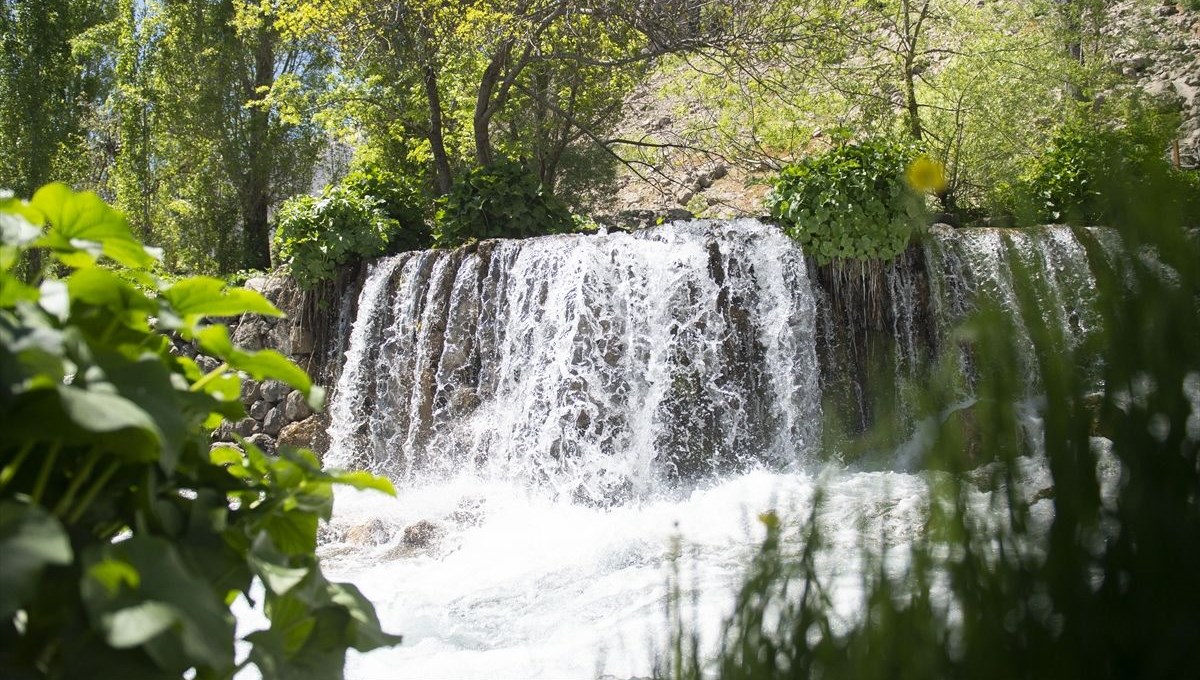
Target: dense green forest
{"points": [[201, 120]]}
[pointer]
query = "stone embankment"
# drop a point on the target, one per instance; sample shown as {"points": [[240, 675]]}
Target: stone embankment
{"points": [[309, 335]]}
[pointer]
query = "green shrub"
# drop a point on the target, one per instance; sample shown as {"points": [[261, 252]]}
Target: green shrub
{"points": [[502, 200], [849, 203], [315, 236], [123, 538], [1064, 184], [400, 197]]}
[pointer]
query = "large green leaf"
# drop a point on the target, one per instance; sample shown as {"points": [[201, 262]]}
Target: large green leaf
{"points": [[86, 418], [82, 227], [30, 539], [169, 601], [101, 288], [205, 296], [260, 365]]}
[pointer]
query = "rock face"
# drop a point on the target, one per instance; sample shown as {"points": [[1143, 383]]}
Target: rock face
{"points": [[1159, 52], [309, 335]]}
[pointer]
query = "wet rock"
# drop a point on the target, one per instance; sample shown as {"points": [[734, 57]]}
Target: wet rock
{"points": [[373, 532], [676, 214], [295, 407], [303, 434], [423, 534], [274, 421], [274, 391], [264, 442]]}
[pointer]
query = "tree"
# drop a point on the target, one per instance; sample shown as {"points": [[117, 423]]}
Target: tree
{"points": [[465, 84], [49, 83], [205, 161]]}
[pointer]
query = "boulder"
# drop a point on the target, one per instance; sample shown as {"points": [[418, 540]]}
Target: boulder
{"points": [[259, 409], [274, 391], [304, 434], [246, 426], [250, 332], [223, 432], [295, 407], [250, 392], [274, 421], [423, 534], [264, 442], [207, 364]]}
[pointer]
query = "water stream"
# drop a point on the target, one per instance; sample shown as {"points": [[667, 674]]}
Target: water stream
{"points": [[573, 421]]}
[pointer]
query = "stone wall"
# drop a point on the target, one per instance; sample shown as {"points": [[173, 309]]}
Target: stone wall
{"points": [[312, 335]]}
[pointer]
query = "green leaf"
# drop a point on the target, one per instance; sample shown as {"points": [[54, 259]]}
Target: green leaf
{"points": [[364, 480], [204, 296], [133, 626], [172, 608], [30, 540], [113, 573], [82, 227], [260, 365]]}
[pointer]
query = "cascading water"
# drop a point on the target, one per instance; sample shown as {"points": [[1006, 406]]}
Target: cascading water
{"points": [[602, 367], [564, 414]]}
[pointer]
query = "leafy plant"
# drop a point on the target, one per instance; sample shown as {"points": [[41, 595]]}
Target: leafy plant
{"points": [[370, 214], [1066, 183], [501, 200], [124, 539], [850, 202], [400, 197]]}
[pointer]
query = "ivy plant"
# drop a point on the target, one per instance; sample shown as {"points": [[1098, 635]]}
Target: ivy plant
{"points": [[501, 200], [851, 202], [124, 538]]}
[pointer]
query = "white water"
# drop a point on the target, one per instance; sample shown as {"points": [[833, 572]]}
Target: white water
{"points": [[581, 418], [531, 587]]}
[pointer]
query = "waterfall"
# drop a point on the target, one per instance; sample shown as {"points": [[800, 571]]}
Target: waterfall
{"points": [[559, 412], [601, 366]]}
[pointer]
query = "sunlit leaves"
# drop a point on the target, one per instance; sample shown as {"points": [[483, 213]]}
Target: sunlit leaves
{"points": [[104, 436]]}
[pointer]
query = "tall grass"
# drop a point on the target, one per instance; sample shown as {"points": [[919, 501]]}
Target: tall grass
{"points": [[1105, 586]]}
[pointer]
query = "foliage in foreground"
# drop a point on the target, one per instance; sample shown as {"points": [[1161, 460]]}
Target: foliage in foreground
{"points": [[124, 540], [501, 200], [1105, 586], [851, 202]]}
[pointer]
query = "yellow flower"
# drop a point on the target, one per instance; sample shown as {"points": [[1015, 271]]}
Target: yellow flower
{"points": [[926, 175]]}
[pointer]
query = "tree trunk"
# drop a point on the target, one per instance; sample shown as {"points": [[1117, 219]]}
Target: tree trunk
{"points": [[256, 183], [437, 143], [484, 109]]}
